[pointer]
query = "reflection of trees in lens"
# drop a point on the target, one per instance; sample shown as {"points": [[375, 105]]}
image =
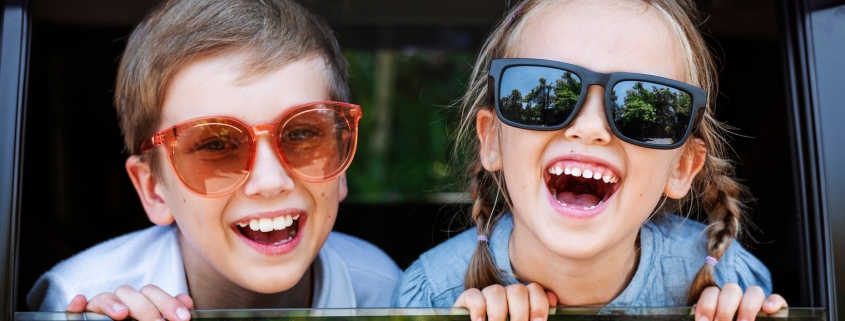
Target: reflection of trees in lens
{"points": [[658, 115], [547, 104]]}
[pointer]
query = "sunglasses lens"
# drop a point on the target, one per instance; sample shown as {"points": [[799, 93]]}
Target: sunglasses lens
{"points": [[650, 113], [538, 96], [212, 157], [317, 143]]}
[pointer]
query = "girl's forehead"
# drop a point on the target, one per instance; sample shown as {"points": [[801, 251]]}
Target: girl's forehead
{"points": [[606, 36]]}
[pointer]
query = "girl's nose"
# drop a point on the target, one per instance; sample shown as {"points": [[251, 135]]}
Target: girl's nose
{"points": [[268, 177], [590, 124]]}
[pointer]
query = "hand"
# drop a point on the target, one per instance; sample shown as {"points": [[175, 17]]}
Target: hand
{"points": [[521, 302], [151, 303], [719, 305]]}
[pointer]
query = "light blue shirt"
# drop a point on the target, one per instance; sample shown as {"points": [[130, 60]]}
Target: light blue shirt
{"points": [[672, 252], [348, 271]]}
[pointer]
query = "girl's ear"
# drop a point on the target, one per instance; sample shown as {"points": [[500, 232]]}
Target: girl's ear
{"points": [[149, 190], [690, 163], [491, 157]]}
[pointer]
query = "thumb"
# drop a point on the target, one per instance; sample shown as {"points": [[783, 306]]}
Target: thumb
{"points": [[77, 304]]}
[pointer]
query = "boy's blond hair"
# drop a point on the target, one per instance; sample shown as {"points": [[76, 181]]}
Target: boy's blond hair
{"points": [[272, 32]]}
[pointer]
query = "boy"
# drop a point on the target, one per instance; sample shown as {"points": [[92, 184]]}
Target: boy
{"points": [[238, 157]]}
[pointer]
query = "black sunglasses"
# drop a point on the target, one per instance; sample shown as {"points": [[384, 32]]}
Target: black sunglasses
{"points": [[643, 110]]}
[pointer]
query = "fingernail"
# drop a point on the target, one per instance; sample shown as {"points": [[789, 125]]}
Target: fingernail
{"points": [[703, 318], [743, 320], [538, 319], [769, 304], [479, 319], [182, 313], [117, 307]]}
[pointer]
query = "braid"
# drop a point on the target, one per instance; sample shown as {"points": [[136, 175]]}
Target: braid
{"points": [[482, 270], [724, 208]]}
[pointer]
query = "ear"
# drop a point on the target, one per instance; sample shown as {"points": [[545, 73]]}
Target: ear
{"points": [[149, 191], [485, 127], [343, 190], [690, 163]]}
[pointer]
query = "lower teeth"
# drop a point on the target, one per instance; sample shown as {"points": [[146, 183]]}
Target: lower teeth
{"points": [[285, 240], [585, 208]]}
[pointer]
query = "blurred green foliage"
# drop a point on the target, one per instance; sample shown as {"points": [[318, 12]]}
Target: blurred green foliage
{"points": [[403, 143]]}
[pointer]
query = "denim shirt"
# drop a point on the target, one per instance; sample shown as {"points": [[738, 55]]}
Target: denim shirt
{"points": [[672, 252]]}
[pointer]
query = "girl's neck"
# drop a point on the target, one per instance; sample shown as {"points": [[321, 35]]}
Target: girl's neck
{"points": [[210, 290], [583, 282]]}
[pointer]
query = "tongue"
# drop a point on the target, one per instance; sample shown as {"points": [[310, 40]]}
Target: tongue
{"points": [[272, 237], [585, 200]]}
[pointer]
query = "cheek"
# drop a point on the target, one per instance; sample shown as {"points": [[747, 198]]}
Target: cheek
{"points": [[324, 199], [191, 212], [521, 153], [649, 170]]}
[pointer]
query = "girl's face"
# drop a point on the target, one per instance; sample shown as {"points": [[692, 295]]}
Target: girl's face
{"points": [[615, 37]]}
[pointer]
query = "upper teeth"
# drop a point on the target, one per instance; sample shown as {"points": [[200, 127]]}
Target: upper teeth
{"points": [[577, 172], [267, 224]]}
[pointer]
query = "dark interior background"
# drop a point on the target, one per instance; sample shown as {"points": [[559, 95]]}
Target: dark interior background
{"points": [[76, 193]]}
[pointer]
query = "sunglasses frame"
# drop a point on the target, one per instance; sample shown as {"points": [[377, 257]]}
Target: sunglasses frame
{"points": [[167, 138], [588, 78]]}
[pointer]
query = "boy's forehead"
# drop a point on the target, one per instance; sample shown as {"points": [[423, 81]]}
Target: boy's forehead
{"points": [[227, 85]]}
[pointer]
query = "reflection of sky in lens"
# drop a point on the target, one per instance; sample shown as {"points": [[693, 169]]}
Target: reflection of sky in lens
{"points": [[525, 78], [623, 87]]}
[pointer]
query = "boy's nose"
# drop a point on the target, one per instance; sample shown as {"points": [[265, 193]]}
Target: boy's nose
{"points": [[268, 177], [590, 124]]}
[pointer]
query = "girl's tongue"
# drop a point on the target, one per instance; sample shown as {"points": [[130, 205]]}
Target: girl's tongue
{"points": [[585, 200]]}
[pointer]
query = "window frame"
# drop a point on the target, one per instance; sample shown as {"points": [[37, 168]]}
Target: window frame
{"points": [[808, 52]]}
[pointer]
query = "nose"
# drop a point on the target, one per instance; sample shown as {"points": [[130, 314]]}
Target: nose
{"points": [[268, 177], [590, 124]]}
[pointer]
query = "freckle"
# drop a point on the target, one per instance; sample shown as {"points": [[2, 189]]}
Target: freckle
{"points": [[572, 151], [323, 194], [641, 194], [183, 201]]}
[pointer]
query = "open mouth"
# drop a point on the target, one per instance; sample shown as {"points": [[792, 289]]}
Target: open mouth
{"points": [[580, 186], [270, 230]]}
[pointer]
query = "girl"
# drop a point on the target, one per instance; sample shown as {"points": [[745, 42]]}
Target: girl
{"points": [[594, 122]]}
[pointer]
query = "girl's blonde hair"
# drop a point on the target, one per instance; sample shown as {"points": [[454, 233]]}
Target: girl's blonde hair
{"points": [[715, 186]]}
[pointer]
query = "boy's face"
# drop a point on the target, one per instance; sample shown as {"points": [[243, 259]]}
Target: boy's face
{"points": [[214, 246]]}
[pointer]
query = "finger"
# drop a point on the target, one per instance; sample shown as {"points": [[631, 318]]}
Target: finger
{"points": [[186, 300], [167, 305], [77, 304], [497, 302], [473, 300], [751, 303], [139, 306], [108, 304], [774, 303], [552, 297], [538, 302], [517, 296], [729, 300], [705, 309]]}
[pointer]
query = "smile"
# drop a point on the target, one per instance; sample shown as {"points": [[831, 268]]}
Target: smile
{"points": [[580, 186], [273, 235]]}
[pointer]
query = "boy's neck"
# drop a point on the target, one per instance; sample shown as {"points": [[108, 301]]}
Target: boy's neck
{"points": [[210, 290], [598, 280]]}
